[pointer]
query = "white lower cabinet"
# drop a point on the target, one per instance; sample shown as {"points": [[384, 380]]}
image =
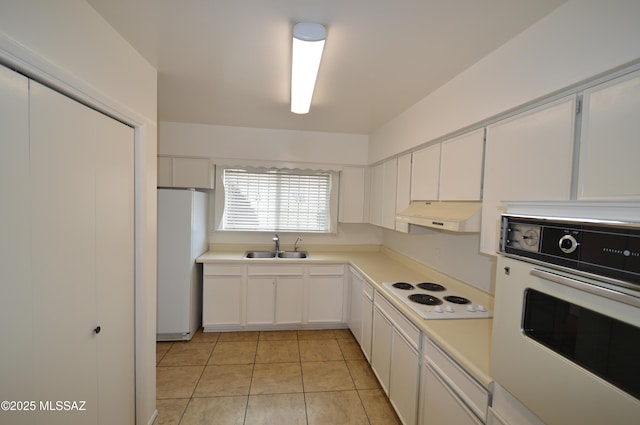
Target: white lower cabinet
{"points": [[395, 358], [289, 300], [381, 347], [354, 315], [222, 296], [367, 319], [261, 300], [448, 394], [440, 404], [326, 294], [404, 377], [274, 295]]}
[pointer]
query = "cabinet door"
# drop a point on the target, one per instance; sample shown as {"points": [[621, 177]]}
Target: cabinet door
{"points": [[403, 192], [261, 300], [352, 195], [326, 298], [197, 173], [376, 195], [404, 379], [461, 168], [381, 348], [441, 405], [354, 319], [389, 191], [528, 157], [367, 325], [289, 300], [193, 173], [425, 174], [609, 144], [222, 301], [165, 171]]}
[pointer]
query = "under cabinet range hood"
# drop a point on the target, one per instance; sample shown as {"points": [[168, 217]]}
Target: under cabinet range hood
{"points": [[445, 215]]}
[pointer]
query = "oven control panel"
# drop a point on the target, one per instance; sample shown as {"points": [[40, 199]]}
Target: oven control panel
{"points": [[601, 248]]}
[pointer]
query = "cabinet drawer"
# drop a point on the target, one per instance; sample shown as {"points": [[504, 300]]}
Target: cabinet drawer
{"points": [[467, 388], [327, 270], [222, 269], [404, 326], [275, 270]]}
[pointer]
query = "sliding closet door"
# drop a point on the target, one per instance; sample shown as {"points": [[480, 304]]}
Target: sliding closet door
{"points": [[16, 311], [113, 155], [82, 258]]}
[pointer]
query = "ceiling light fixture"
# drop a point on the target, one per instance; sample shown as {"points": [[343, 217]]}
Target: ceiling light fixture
{"points": [[308, 43]]}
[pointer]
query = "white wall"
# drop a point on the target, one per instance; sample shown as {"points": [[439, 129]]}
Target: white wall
{"points": [[577, 41], [67, 45], [453, 254], [215, 141]]}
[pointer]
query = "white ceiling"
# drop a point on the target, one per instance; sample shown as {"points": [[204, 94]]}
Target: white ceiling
{"points": [[228, 62]]}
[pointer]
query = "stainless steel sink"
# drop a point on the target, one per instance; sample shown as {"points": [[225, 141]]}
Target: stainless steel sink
{"points": [[293, 254], [271, 254], [259, 254]]}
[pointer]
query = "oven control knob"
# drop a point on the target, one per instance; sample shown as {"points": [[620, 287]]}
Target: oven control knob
{"points": [[438, 309], [481, 308], [449, 309], [470, 308], [568, 244]]}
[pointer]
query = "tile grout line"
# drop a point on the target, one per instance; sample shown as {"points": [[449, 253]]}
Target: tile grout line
{"points": [[344, 353], [304, 393], [355, 386]]}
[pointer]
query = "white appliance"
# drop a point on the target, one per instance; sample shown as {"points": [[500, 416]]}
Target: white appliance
{"points": [[566, 329], [182, 237], [432, 300]]}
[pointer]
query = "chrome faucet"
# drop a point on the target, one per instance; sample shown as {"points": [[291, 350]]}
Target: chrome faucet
{"points": [[295, 246], [276, 239]]}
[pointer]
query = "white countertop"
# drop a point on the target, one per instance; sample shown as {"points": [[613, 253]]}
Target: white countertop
{"points": [[468, 341]]}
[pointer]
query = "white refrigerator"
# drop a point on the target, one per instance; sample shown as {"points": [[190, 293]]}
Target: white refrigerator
{"points": [[182, 237]]}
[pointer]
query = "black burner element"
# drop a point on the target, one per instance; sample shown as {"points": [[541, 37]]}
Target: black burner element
{"points": [[429, 286], [425, 299], [403, 285], [456, 300]]}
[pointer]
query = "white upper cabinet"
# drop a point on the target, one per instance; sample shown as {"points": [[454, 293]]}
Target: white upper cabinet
{"points": [[403, 189], [425, 174], [376, 197], [389, 192], [353, 207], [461, 167], [384, 180], [609, 141], [449, 171], [528, 157], [196, 173]]}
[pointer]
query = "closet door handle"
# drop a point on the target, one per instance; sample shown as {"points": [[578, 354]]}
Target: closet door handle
{"points": [[97, 330]]}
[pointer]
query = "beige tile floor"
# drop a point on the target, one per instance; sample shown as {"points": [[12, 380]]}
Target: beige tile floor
{"points": [[269, 378]]}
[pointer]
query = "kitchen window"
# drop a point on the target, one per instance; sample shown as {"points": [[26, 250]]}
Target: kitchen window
{"points": [[265, 199]]}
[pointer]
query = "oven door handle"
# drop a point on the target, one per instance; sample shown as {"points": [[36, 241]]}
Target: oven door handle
{"points": [[586, 287]]}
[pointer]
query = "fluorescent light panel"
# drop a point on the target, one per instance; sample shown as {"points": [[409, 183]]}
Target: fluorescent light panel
{"points": [[308, 43]]}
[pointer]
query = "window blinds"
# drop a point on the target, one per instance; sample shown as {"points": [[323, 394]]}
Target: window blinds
{"points": [[276, 200]]}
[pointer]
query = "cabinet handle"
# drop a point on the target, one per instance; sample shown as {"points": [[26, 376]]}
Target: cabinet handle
{"points": [[97, 330]]}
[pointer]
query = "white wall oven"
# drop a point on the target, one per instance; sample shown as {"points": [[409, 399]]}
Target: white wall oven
{"points": [[566, 340]]}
